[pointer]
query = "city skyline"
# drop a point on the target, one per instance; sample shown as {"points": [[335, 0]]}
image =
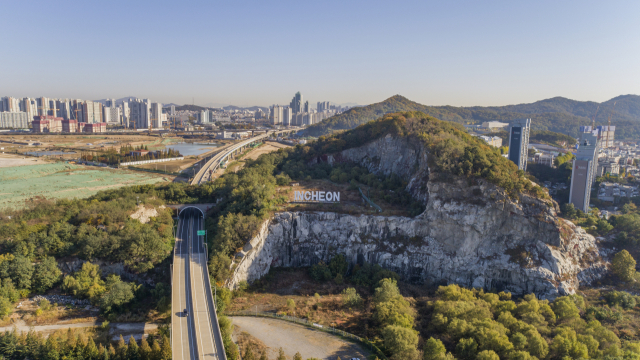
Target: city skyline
{"points": [[460, 54]]}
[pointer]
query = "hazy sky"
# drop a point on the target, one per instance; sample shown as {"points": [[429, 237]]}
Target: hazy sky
{"points": [[262, 52]]}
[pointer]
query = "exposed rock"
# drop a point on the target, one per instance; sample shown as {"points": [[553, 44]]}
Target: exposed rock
{"points": [[143, 214], [471, 233]]}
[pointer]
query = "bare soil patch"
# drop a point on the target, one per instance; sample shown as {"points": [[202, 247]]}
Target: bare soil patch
{"points": [[293, 338]]}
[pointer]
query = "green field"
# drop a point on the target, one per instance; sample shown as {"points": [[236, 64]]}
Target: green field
{"points": [[61, 180]]}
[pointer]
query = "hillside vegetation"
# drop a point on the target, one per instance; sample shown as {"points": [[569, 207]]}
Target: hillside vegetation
{"points": [[557, 114], [250, 195]]}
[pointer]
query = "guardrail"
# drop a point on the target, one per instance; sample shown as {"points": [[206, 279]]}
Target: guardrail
{"points": [[213, 313], [150, 161], [374, 349]]}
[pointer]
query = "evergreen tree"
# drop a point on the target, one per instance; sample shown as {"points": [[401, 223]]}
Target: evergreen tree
{"points": [[166, 349], [121, 349], [264, 355], [90, 350], [156, 351], [133, 351], [145, 349], [297, 356], [281, 355]]}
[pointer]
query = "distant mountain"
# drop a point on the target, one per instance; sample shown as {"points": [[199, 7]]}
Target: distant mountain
{"points": [[556, 114], [118, 101], [250, 108]]}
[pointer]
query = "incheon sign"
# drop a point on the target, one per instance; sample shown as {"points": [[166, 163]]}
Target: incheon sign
{"points": [[316, 196]]}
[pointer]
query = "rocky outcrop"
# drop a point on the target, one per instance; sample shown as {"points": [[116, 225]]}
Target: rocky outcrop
{"points": [[471, 233]]}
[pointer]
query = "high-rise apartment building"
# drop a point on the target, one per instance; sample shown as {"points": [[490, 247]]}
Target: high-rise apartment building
{"points": [[277, 114], [14, 120], [156, 115], [77, 111], [204, 117], [297, 103], [106, 114], [9, 104], [125, 114], [140, 112], [323, 105], [92, 112], [29, 106], [287, 115], [519, 142], [583, 173], [64, 108], [110, 103]]}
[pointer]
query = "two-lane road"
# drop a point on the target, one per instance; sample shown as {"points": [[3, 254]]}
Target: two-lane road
{"points": [[196, 335]]}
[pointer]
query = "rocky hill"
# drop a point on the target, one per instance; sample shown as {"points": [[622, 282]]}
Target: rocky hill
{"points": [[473, 232], [556, 114]]}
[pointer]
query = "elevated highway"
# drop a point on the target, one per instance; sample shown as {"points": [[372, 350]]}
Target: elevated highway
{"points": [[217, 160]]}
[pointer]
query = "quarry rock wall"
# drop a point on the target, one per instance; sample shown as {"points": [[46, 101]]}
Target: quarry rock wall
{"points": [[471, 233]]}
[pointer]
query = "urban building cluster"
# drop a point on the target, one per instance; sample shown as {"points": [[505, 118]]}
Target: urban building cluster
{"points": [[298, 113], [48, 114]]}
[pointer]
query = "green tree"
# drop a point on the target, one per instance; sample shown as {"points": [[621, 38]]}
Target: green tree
{"points": [[145, 350], [133, 350], [281, 355], [350, 297], [487, 355], [623, 265], [20, 271], [166, 349], [565, 308], [291, 305], [386, 290], [118, 293], [338, 265], [46, 274], [297, 356], [6, 307], [434, 350], [401, 342], [466, 349], [121, 349]]}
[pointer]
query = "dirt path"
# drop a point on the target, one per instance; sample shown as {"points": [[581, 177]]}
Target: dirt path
{"points": [[115, 329], [296, 338], [9, 160]]}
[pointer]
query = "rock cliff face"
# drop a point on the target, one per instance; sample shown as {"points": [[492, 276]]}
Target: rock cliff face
{"points": [[471, 233]]}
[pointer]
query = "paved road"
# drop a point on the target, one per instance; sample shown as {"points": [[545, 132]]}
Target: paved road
{"points": [[182, 330], [197, 335]]}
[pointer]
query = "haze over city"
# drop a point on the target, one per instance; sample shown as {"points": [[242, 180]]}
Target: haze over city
{"points": [[259, 53]]}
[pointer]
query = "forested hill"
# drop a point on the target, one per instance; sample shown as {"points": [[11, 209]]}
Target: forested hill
{"points": [[556, 114]]}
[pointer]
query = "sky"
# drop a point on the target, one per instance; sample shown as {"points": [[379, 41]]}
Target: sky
{"points": [[461, 53]]}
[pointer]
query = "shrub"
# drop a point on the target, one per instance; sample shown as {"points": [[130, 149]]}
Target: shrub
{"points": [[623, 265], [351, 298]]}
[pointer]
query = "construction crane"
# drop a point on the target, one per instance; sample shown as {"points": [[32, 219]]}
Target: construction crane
{"points": [[609, 123], [593, 121]]}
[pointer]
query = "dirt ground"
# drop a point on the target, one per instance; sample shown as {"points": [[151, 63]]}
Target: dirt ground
{"points": [[268, 147], [10, 160], [172, 166], [271, 293], [294, 338]]}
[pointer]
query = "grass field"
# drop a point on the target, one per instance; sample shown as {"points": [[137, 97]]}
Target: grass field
{"points": [[61, 180]]}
